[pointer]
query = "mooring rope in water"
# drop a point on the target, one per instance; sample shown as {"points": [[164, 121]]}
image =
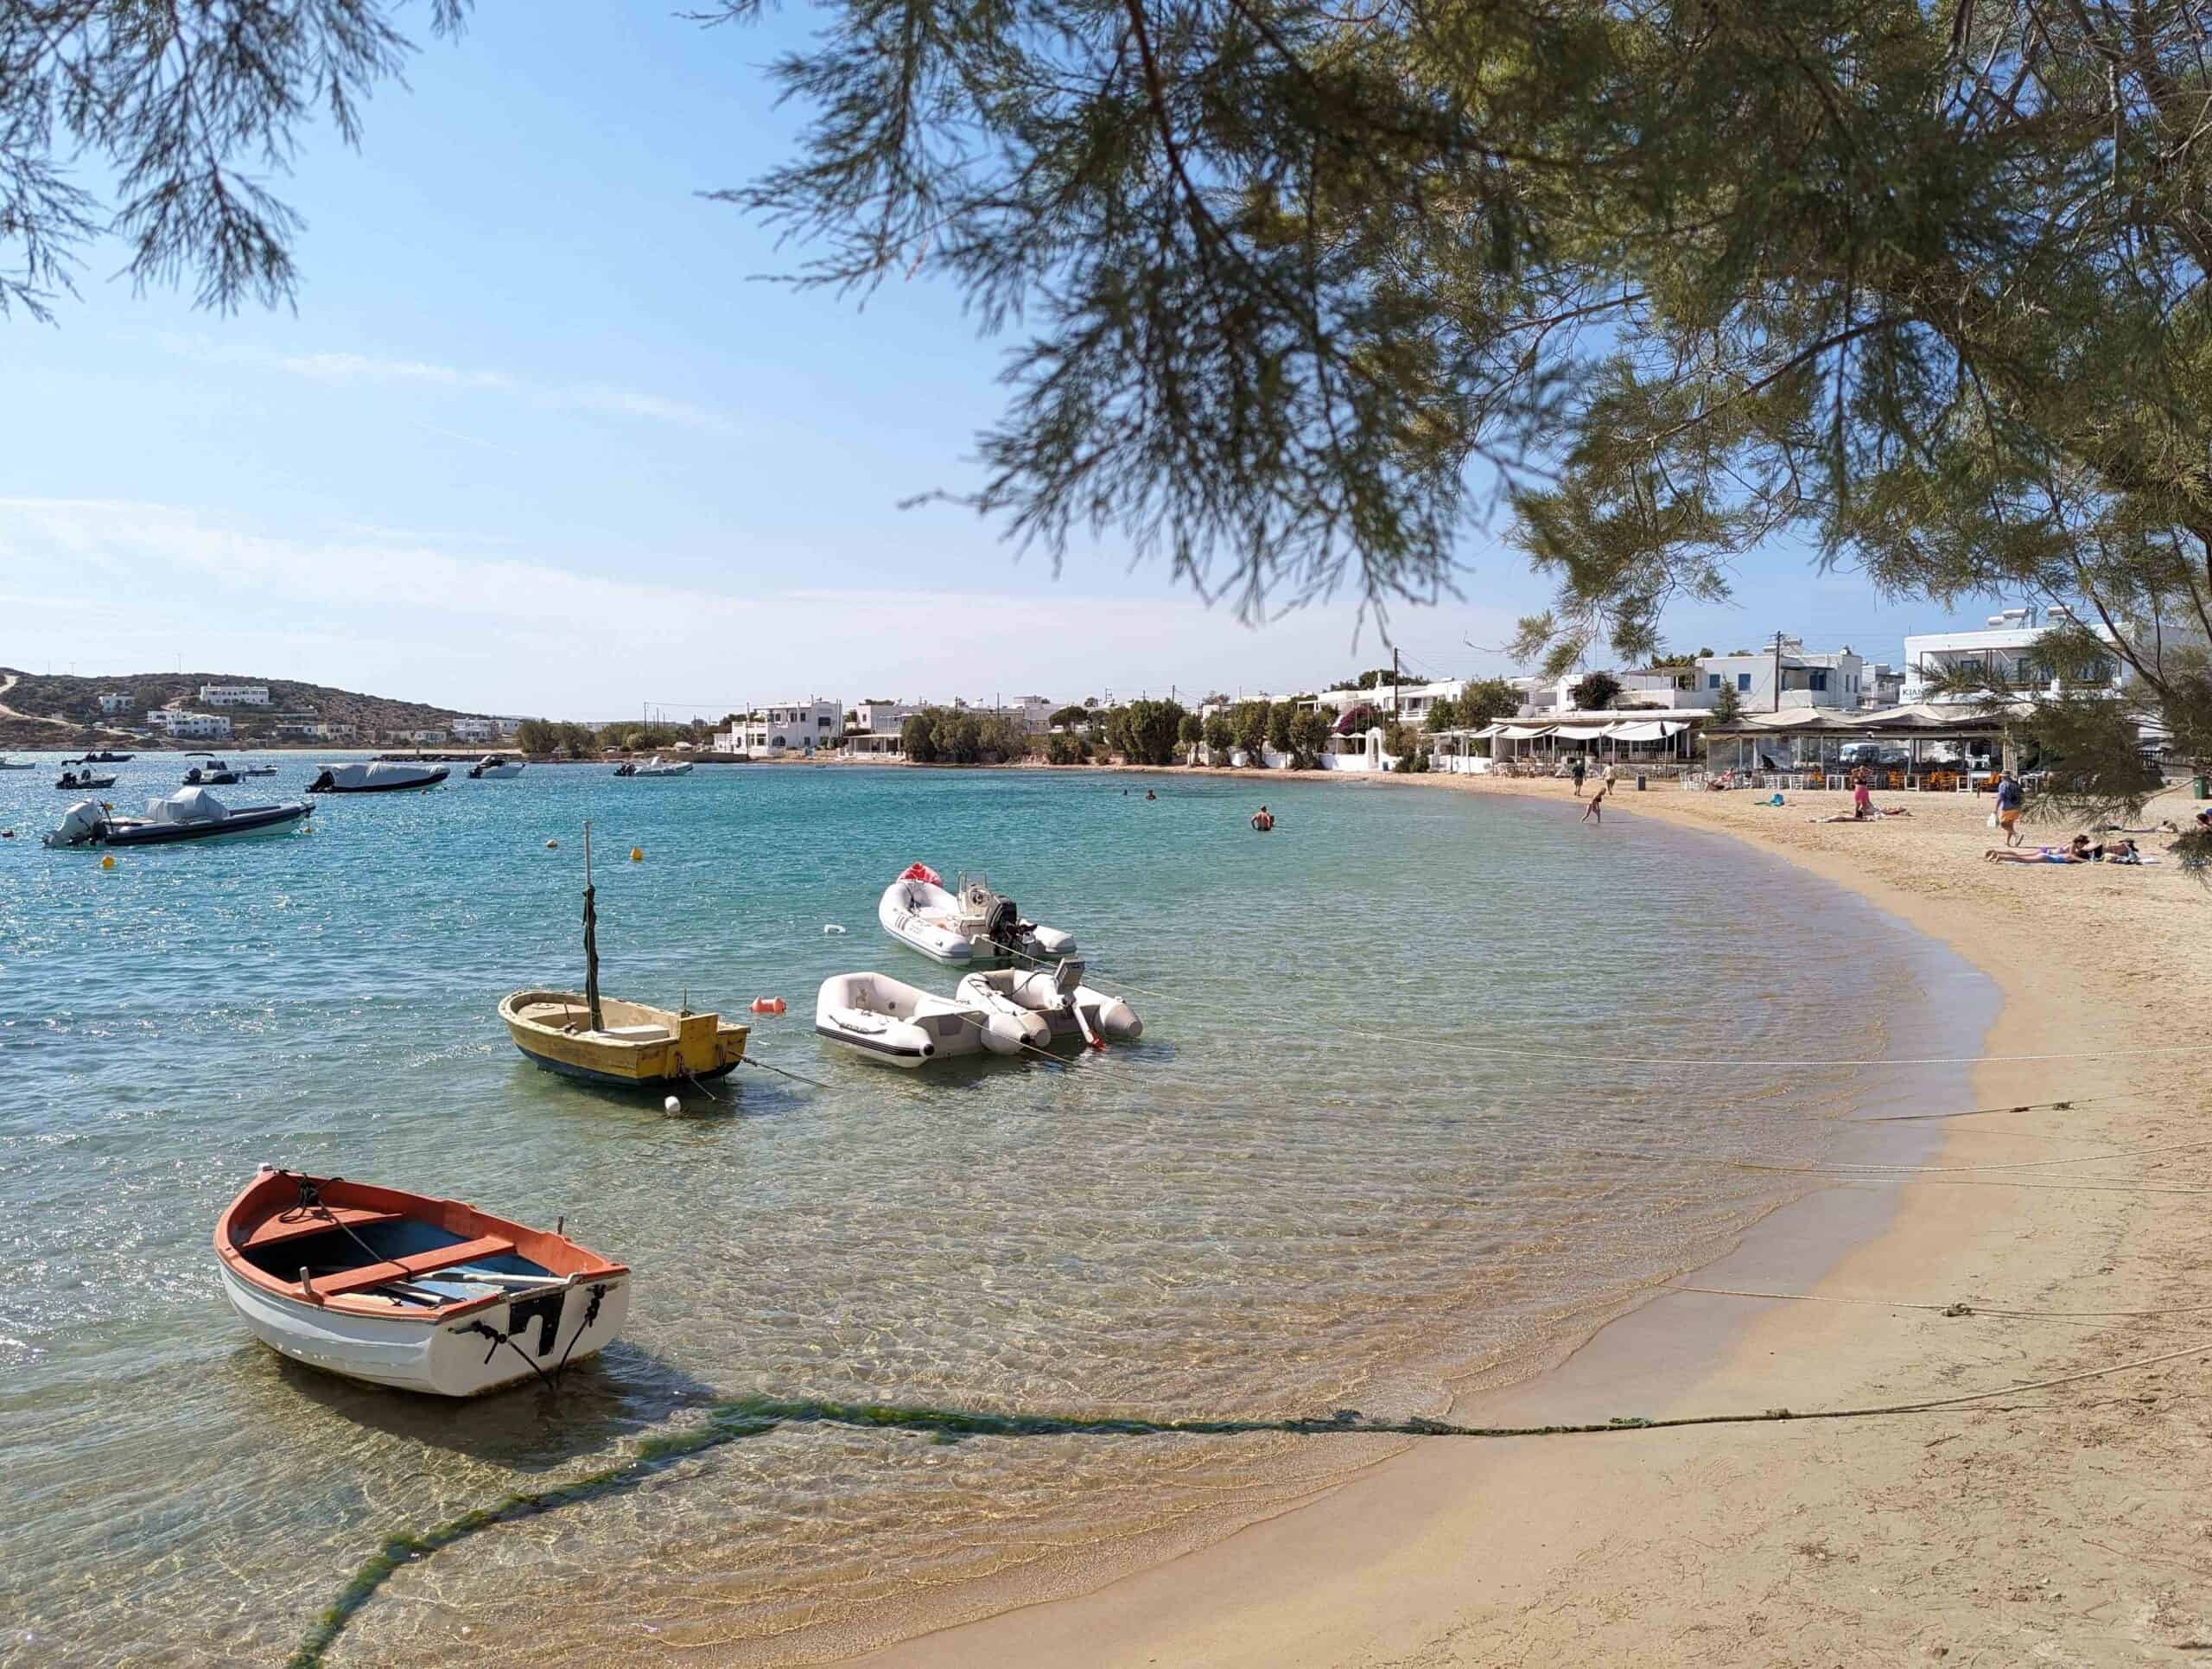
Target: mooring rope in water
{"points": [[748, 1061], [752, 1417]]}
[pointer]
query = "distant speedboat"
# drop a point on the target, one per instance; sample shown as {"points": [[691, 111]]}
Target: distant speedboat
{"points": [[494, 767], [404, 1289], [213, 773], [971, 925], [376, 777], [657, 766], [256, 770], [25, 766], [69, 779], [191, 814]]}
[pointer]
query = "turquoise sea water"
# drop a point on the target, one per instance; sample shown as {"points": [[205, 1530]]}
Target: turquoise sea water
{"points": [[1424, 1091]]}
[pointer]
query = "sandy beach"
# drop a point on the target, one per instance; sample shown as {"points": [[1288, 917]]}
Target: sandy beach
{"points": [[2063, 1524]]}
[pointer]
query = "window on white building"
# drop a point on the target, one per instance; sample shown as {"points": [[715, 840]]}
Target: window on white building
{"points": [[1713, 680], [1744, 682], [1820, 681]]}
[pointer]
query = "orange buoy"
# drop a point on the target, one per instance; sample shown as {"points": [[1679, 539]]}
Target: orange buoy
{"points": [[108, 862], [636, 854], [767, 1005]]}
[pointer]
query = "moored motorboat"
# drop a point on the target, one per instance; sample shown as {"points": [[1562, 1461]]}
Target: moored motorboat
{"points": [[656, 767], [256, 770], [1068, 1007], [189, 814], [494, 767], [69, 779], [619, 1045], [213, 773], [972, 924], [376, 776], [409, 1290], [26, 765], [888, 1021]]}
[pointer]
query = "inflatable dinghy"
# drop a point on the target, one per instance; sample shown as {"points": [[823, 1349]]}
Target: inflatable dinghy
{"points": [[1068, 1007], [972, 924], [900, 1025]]}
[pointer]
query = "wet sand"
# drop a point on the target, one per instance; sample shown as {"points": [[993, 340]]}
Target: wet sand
{"points": [[2065, 1524]]}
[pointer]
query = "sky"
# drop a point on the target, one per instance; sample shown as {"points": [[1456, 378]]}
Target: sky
{"points": [[539, 437]]}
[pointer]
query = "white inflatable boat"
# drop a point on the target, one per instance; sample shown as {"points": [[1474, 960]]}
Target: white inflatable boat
{"points": [[1067, 1006], [970, 924], [902, 1026]]}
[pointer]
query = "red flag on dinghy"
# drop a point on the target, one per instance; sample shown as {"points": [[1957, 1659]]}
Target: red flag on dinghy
{"points": [[923, 872]]}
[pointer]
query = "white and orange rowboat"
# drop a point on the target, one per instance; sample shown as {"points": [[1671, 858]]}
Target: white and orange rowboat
{"points": [[405, 1290]]}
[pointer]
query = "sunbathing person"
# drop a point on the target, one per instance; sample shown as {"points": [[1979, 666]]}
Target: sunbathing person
{"points": [[2165, 826], [2075, 851]]}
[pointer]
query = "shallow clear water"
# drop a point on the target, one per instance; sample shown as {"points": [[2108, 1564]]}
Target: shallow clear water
{"points": [[1422, 1091]]}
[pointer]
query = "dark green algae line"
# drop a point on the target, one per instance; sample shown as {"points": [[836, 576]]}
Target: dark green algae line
{"points": [[751, 1417]]}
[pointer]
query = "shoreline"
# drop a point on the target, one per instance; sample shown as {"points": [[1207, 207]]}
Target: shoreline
{"points": [[1612, 1548]]}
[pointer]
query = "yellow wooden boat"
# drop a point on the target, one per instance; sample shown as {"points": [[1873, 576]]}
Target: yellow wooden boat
{"points": [[625, 1045]]}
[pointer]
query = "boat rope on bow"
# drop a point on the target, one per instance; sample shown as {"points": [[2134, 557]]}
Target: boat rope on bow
{"points": [[748, 1417]]}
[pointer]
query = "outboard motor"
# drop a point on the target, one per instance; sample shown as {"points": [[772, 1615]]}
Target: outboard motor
{"points": [[322, 784], [1004, 926]]}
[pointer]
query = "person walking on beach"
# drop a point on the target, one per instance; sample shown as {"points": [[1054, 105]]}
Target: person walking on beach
{"points": [[1611, 771], [1862, 794], [1576, 766], [2010, 799]]}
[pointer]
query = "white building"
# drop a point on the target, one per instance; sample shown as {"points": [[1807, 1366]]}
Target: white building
{"points": [[2005, 650], [1785, 675], [114, 701], [875, 728], [798, 726], [204, 727], [475, 729], [426, 735], [509, 728], [1408, 701], [235, 695], [307, 727]]}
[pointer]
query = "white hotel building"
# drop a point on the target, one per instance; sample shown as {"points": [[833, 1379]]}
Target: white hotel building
{"points": [[2006, 651], [234, 695], [792, 727], [199, 727]]}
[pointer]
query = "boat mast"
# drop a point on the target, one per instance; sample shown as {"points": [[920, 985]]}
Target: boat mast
{"points": [[591, 938]]}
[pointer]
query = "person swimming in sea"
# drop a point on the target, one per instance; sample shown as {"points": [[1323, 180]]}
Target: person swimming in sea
{"points": [[1263, 819]]}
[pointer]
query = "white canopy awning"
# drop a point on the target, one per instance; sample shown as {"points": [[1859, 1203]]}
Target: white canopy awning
{"points": [[1487, 730], [1582, 732], [1651, 730], [1523, 732]]}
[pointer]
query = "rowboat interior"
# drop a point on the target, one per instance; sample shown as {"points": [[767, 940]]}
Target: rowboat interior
{"points": [[374, 1251]]}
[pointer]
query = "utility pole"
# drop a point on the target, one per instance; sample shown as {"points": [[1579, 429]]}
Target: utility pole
{"points": [[1395, 680], [1777, 671]]}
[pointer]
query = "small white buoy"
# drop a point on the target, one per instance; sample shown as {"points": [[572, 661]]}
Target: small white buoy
{"points": [[552, 845], [832, 927], [671, 1105]]}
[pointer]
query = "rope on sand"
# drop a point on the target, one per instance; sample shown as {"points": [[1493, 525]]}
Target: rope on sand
{"points": [[752, 1415], [1956, 1306]]}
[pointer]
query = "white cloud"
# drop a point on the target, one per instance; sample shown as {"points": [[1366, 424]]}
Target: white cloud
{"points": [[344, 370], [121, 586]]}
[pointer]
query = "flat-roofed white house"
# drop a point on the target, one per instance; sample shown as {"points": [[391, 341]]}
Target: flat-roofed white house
{"points": [[2007, 650], [1786, 675], [307, 727], [796, 726], [204, 727], [875, 728], [475, 729], [114, 701], [234, 695]]}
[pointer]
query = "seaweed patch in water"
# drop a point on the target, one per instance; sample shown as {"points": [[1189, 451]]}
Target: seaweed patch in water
{"points": [[752, 1417]]}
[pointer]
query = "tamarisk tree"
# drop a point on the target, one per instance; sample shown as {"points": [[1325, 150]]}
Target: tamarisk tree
{"points": [[1297, 289]]}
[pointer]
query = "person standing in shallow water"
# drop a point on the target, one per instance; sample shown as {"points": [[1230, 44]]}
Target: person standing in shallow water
{"points": [[1595, 811], [1577, 767], [1263, 819]]}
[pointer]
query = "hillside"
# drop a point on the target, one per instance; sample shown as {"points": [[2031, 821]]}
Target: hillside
{"points": [[36, 698]]}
